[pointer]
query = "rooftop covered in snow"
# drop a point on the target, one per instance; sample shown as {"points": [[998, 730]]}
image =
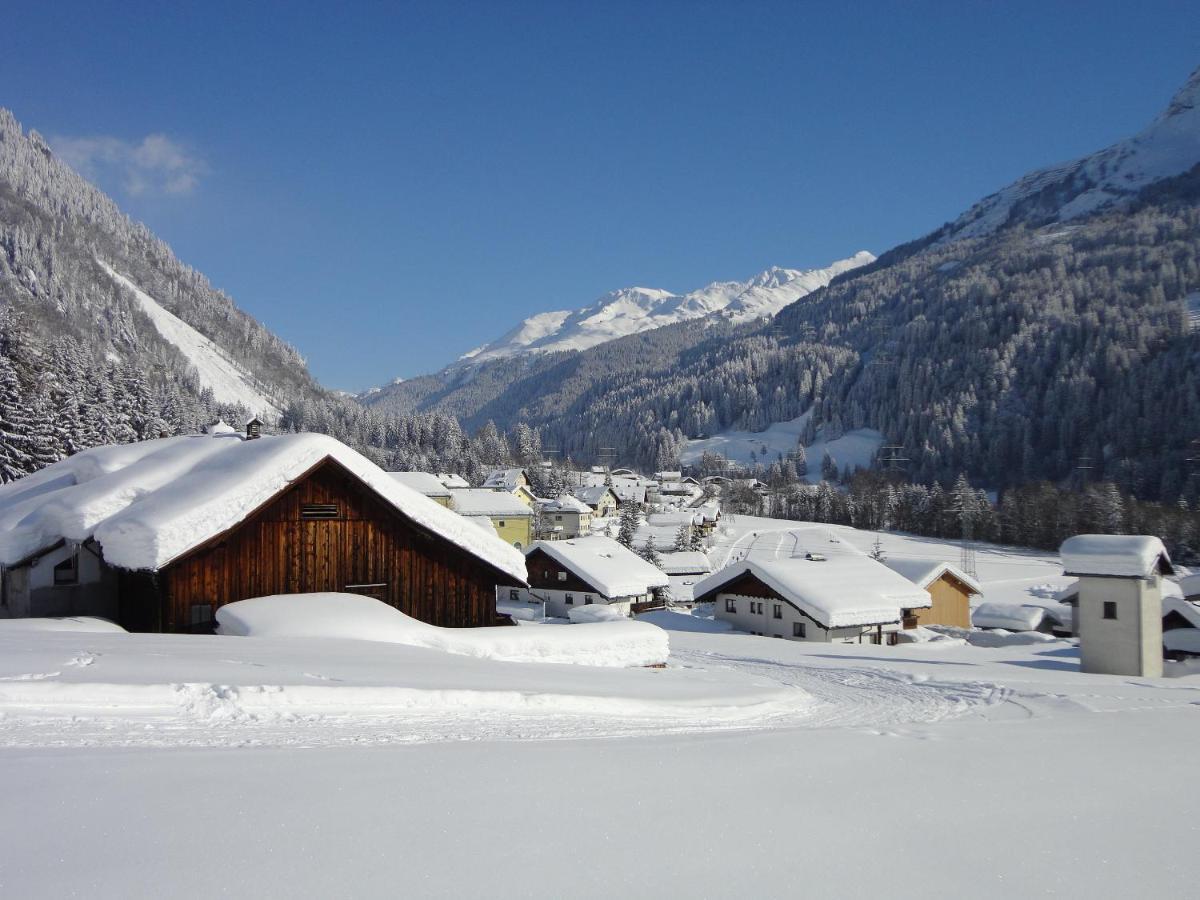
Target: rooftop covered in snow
{"points": [[423, 483], [924, 572], [1115, 555], [611, 568], [845, 588], [150, 502], [488, 502], [564, 503]]}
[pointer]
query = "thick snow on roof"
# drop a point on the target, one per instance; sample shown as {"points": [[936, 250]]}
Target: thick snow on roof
{"points": [[847, 588], [486, 502], [1008, 616], [593, 494], [1189, 585], [148, 503], [924, 572], [452, 480], [685, 562], [1121, 555], [508, 479], [422, 482], [614, 570], [565, 503]]}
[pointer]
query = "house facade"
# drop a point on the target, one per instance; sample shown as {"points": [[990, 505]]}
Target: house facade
{"points": [[512, 519], [600, 498], [563, 518], [950, 591], [158, 536]]}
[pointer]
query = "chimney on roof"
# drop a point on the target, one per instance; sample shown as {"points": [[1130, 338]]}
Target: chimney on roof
{"points": [[254, 429]]}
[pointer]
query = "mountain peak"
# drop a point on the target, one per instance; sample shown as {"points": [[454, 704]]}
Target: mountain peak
{"points": [[1187, 99]]}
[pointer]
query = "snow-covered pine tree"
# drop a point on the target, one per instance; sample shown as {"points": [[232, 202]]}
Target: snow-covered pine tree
{"points": [[683, 538], [629, 520]]}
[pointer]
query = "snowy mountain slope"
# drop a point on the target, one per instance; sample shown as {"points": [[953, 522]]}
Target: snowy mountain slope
{"points": [[636, 309], [228, 381], [1169, 146]]}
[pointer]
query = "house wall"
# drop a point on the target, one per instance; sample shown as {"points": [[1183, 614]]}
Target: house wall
{"points": [[749, 590], [573, 524], [1130, 644], [368, 548], [550, 582], [514, 529], [556, 599], [30, 590], [951, 604]]}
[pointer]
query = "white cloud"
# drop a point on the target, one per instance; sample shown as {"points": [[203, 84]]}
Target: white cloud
{"points": [[155, 165]]}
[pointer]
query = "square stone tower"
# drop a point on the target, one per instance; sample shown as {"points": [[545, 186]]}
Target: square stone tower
{"points": [[1119, 614]]}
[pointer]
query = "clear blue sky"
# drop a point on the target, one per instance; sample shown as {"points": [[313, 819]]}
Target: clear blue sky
{"points": [[388, 185]]}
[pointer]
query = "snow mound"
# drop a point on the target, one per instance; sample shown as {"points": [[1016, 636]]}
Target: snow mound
{"points": [[595, 612], [354, 617], [1007, 616], [81, 624]]}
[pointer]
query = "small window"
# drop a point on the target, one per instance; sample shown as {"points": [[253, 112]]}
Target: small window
{"points": [[562, 576], [67, 571], [1110, 609], [514, 595], [558, 518], [500, 524], [730, 606], [587, 599], [778, 611], [570, 599], [319, 511], [798, 630]]}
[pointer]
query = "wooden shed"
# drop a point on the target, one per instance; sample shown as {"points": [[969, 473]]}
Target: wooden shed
{"points": [[277, 515], [950, 588]]}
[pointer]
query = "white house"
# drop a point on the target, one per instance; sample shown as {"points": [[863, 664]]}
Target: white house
{"points": [[563, 517], [1119, 612], [845, 597], [582, 571]]}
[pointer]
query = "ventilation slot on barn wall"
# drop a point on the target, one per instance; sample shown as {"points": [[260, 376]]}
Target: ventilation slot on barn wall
{"points": [[319, 511]]}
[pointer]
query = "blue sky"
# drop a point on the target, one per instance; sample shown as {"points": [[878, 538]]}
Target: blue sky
{"points": [[388, 185]]}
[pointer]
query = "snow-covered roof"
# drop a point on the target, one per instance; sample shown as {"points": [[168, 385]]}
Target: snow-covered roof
{"points": [[924, 572], [147, 503], [593, 494], [1120, 555], [611, 568], [846, 588], [1189, 585], [508, 479], [674, 518], [1009, 616], [487, 502], [564, 503], [452, 480], [423, 483], [685, 562], [1185, 608]]}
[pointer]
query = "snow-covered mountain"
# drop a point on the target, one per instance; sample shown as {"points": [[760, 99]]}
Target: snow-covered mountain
{"points": [[637, 309], [1169, 146]]}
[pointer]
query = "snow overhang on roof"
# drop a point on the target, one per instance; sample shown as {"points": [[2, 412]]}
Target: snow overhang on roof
{"points": [[1115, 555], [151, 502], [611, 568], [924, 572]]}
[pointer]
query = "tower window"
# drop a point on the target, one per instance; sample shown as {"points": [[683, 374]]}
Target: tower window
{"points": [[1110, 609]]}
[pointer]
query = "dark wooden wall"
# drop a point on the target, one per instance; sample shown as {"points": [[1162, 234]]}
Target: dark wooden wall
{"points": [[543, 573], [275, 551]]}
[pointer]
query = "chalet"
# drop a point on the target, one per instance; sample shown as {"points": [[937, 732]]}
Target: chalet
{"points": [[844, 598], [157, 535], [950, 589], [425, 483], [586, 570], [507, 479], [563, 517], [601, 499], [512, 519]]}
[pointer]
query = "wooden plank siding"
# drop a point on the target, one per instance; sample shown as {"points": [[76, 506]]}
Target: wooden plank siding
{"points": [[368, 543], [951, 604]]}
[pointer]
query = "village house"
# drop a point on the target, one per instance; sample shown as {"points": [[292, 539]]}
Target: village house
{"points": [[453, 480], [582, 571], [600, 498], [512, 519], [846, 597], [686, 562], [949, 588], [512, 481], [158, 535], [425, 483], [563, 517]]}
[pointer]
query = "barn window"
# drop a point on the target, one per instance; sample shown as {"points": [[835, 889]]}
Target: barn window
{"points": [[319, 511], [570, 599], [200, 617], [67, 571], [514, 595], [562, 576], [798, 630], [1110, 609]]}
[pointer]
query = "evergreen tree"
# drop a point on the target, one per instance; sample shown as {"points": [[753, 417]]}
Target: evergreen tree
{"points": [[630, 518]]}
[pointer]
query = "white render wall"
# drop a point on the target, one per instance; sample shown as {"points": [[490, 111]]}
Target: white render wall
{"points": [[1131, 644], [556, 600], [765, 623], [31, 591]]}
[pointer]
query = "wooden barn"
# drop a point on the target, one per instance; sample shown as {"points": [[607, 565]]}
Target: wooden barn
{"points": [[950, 588], [159, 535]]}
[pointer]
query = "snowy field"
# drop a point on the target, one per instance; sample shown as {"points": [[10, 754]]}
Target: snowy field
{"points": [[194, 766]]}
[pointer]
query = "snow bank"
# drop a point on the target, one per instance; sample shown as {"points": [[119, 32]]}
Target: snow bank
{"points": [[595, 612], [1182, 640], [354, 617], [1007, 616], [1121, 555], [82, 624], [681, 620]]}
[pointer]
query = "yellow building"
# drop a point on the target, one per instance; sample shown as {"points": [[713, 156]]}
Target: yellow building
{"points": [[425, 483], [512, 519]]}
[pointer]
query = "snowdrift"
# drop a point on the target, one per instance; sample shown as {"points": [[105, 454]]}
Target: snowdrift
{"points": [[84, 624], [354, 617]]}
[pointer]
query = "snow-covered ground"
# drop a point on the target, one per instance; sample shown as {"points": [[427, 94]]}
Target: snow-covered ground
{"points": [[333, 767], [229, 382], [854, 448]]}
